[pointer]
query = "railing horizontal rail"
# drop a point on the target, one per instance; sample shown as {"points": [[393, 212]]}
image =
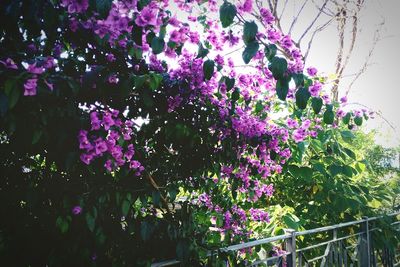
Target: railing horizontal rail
{"points": [[329, 241], [255, 243]]}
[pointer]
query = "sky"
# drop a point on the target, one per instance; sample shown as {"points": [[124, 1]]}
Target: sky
{"points": [[378, 88]]}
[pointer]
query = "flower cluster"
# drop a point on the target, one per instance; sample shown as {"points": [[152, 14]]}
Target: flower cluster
{"points": [[109, 139]]}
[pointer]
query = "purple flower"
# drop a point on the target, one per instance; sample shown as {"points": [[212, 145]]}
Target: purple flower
{"points": [[75, 6], [147, 16], [312, 71], [175, 36], [76, 210], [73, 24], [50, 85], [110, 57], [108, 121], [343, 99], [286, 42], [100, 146], [86, 158], [315, 89], [247, 6], [49, 63], [35, 70], [9, 64], [94, 120], [267, 16], [108, 165], [113, 79], [30, 87]]}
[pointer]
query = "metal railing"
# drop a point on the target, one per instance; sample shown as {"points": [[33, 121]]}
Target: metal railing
{"points": [[353, 248]]}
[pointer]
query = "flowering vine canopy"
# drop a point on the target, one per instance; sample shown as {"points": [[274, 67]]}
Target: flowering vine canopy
{"points": [[159, 123]]}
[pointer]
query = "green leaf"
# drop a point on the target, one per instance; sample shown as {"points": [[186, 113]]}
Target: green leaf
{"points": [[62, 224], [305, 173], [250, 30], [347, 170], [156, 197], [146, 230], [250, 51], [202, 52], [227, 13], [282, 89], [347, 136], [12, 92], [335, 169], [278, 67], [125, 207], [290, 222], [350, 153], [358, 120], [90, 221], [346, 118], [230, 82], [103, 7], [155, 81], [270, 51], [3, 103], [298, 79], [139, 81], [208, 69], [259, 106], [36, 136], [329, 116], [235, 95], [316, 104], [157, 44], [302, 96]]}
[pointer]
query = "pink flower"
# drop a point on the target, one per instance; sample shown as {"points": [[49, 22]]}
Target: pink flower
{"points": [[315, 89], [113, 79], [86, 158], [76, 210], [267, 16], [108, 165], [110, 57], [287, 42], [247, 6], [147, 16], [30, 87], [175, 36], [75, 6], [312, 71], [9, 64], [35, 70], [50, 85]]}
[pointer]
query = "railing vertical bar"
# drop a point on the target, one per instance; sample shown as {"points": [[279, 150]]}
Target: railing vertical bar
{"points": [[291, 247]]}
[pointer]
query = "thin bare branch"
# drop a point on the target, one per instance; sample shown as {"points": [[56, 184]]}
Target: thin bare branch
{"points": [[313, 22], [283, 9], [297, 16], [376, 39], [319, 29]]}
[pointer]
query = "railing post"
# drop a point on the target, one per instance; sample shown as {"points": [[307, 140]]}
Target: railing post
{"points": [[365, 251], [290, 247]]}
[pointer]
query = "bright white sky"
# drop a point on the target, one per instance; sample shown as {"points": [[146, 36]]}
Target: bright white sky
{"points": [[378, 88]]}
